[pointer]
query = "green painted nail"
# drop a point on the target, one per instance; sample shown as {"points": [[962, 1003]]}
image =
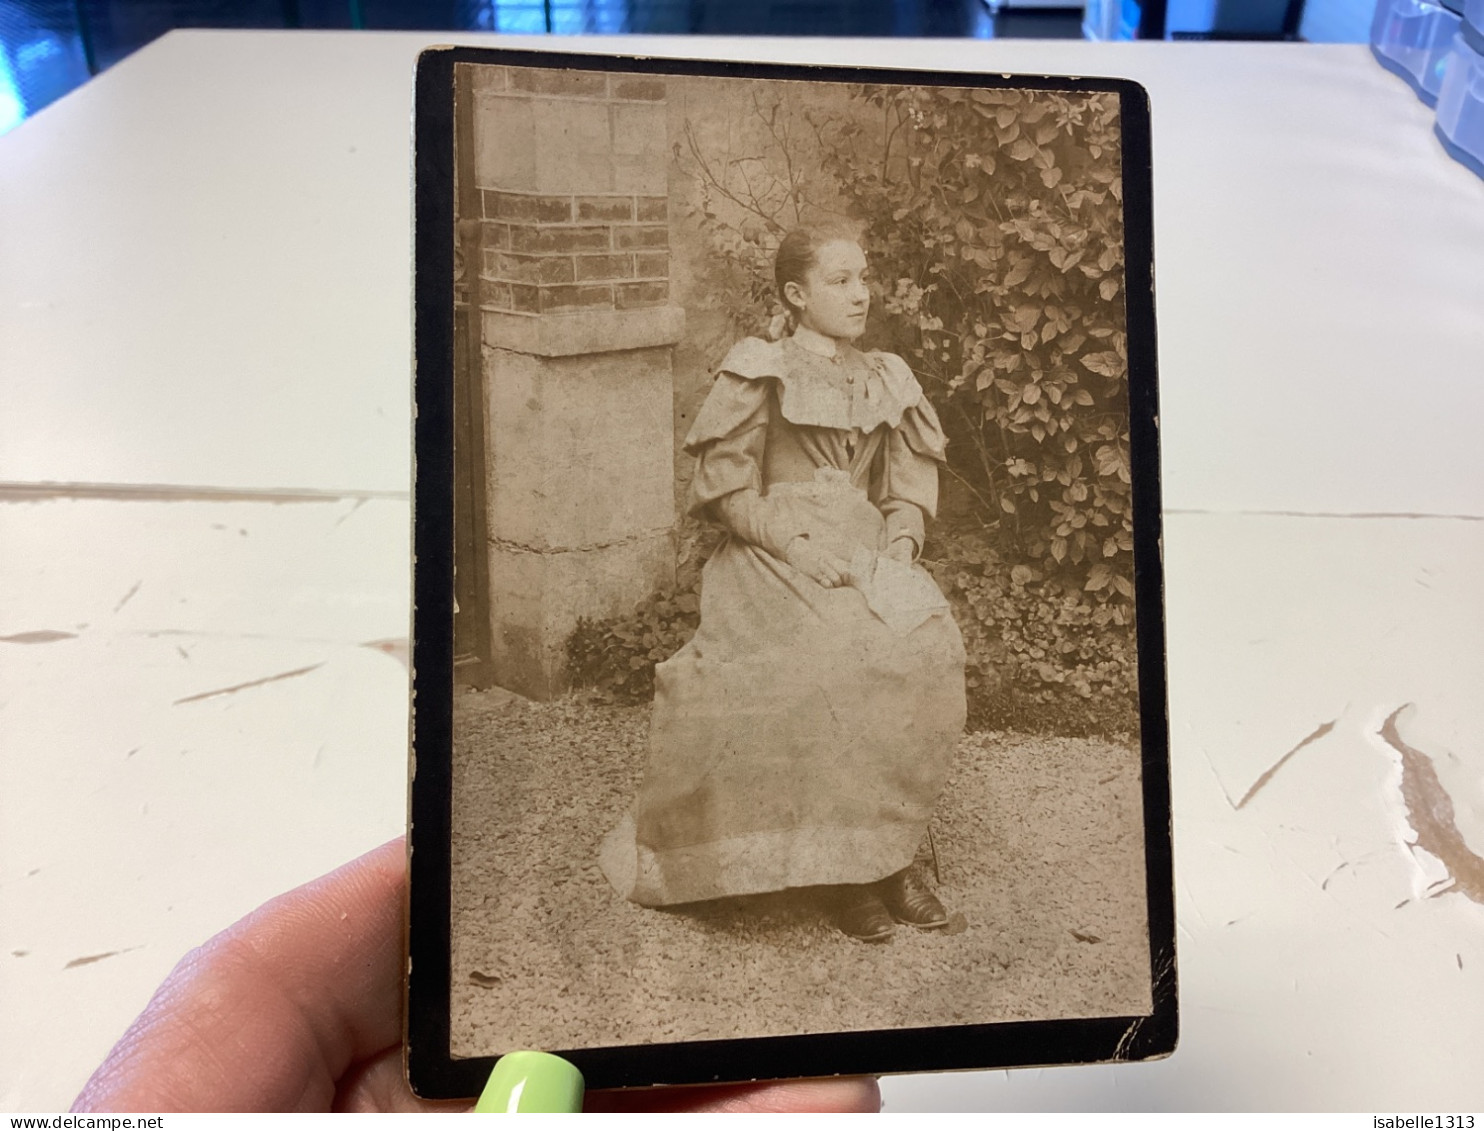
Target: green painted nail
{"points": [[532, 1082]]}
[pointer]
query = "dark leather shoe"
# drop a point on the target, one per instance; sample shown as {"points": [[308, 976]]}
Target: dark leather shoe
{"points": [[908, 899], [859, 912]]}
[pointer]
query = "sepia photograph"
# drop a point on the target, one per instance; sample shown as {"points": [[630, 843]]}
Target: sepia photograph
{"points": [[796, 685]]}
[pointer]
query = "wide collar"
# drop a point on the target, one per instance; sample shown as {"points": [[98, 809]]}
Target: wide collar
{"points": [[851, 390]]}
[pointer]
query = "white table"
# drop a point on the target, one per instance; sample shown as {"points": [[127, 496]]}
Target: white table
{"points": [[205, 292]]}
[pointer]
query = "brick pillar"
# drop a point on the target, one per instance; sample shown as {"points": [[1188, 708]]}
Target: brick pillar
{"points": [[577, 331]]}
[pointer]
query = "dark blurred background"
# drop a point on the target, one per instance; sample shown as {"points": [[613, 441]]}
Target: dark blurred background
{"points": [[48, 47]]}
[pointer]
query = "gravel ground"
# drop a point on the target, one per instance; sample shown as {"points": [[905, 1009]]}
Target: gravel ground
{"points": [[1040, 848]]}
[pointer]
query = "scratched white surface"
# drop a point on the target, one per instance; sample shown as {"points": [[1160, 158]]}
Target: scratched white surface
{"points": [[206, 285]]}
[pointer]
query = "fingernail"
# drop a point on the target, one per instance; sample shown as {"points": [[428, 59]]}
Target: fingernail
{"points": [[532, 1082]]}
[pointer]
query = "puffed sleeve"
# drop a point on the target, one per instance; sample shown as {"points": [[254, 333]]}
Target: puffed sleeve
{"points": [[909, 482], [728, 440]]}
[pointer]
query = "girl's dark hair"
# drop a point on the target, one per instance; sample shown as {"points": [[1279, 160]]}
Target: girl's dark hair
{"points": [[797, 251]]}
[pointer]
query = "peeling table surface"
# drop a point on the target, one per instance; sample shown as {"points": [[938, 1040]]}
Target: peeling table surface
{"points": [[204, 369]]}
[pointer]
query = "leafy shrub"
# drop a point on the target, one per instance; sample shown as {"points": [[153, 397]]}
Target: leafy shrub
{"points": [[1042, 656], [994, 225], [994, 221], [617, 657]]}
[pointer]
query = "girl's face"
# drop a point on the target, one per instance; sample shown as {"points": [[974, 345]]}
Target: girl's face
{"points": [[833, 298]]}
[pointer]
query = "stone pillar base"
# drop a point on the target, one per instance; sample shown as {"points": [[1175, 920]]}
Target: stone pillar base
{"points": [[581, 500], [545, 593]]}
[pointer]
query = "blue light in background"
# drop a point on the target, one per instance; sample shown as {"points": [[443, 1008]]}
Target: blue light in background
{"points": [[12, 109], [41, 57], [567, 17], [1111, 19], [44, 52]]}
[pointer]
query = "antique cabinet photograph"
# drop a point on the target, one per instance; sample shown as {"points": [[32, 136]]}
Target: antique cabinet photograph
{"points": [[802, 527]]}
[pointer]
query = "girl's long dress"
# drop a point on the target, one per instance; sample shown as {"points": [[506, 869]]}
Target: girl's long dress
{"points": [[804, 734]]}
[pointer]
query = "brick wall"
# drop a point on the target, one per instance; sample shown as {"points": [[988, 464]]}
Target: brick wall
{"points": [[548, 253], [574, 199]]}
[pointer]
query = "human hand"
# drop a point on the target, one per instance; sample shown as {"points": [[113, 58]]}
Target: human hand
{"points": [[828, 569], [298, 1008], [902, 549]]}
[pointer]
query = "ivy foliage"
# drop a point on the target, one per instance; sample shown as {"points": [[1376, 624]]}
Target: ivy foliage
{"points": [[1043, 655], [992, 219], [616, 658]]}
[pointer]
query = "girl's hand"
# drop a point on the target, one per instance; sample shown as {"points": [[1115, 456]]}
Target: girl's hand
{"points": [[902, 550], [821, 565]]}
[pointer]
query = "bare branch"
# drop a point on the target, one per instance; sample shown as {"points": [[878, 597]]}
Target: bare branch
{"points": [[985, 501]]}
